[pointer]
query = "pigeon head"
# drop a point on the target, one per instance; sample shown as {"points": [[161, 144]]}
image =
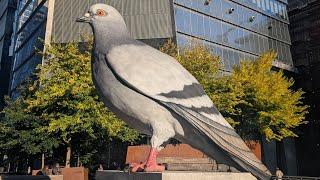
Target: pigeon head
{"points": [[105, 20], [100, 13]]}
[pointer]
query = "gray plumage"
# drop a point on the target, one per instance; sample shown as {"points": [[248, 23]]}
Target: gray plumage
{"points": [[153, 93]]}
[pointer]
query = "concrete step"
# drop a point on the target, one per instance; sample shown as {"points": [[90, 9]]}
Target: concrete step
{"points": [[225, 168], [194, 164], [188, 164], [180, 160], [191, 167]]}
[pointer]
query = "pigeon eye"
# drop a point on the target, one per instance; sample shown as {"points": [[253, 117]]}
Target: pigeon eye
{"points": [[100, 12]]}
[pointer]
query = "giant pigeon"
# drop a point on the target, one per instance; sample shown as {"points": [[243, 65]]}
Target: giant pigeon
{"points": [[154, 94]]}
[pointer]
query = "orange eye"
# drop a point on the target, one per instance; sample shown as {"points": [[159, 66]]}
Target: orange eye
{"points": [[101, 12]]}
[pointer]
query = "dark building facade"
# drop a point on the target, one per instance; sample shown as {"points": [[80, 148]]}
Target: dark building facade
{"points": [[304, 18], [7, 14]]}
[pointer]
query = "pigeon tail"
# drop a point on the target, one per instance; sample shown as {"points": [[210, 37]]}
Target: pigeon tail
{"points": [[226, 138]]}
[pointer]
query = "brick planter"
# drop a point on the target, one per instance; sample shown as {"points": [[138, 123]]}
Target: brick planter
{"points": [[137, 154]]}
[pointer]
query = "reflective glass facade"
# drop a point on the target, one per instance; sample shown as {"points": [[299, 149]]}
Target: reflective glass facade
{"points": [[30, 30], [7, 13], [235, 30]]}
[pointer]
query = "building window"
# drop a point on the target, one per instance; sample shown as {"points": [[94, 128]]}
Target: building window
{"points": [[254, 2], [276, 9], [272, 6], [259, 3], [268, 5]]}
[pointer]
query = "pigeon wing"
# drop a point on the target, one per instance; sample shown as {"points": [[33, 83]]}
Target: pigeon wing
{"points": [[160, 77]]}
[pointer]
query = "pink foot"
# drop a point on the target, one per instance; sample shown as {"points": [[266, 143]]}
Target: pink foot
{"points": [[155, 168], [151, 165], [135, 167]]}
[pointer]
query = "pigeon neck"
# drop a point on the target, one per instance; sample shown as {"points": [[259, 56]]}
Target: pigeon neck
{"points": [[109, 35]]}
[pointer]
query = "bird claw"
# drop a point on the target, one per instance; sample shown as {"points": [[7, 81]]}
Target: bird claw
{"points": [[135, 167], [155, 168], [151, 164]]}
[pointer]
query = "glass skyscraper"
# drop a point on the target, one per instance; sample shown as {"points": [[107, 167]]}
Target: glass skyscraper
{"points": [[236, 30], [30, 31], [30, 23], [7, 12]]}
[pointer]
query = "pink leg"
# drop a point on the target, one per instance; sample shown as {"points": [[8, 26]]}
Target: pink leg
{"points": [[159, 136], [151, 165]]}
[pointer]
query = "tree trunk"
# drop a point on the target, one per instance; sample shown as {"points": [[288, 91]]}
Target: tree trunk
{"points": [[68, 157], [109, 154], [42, 161], [9, 166], [78, 162], [17, 166]]}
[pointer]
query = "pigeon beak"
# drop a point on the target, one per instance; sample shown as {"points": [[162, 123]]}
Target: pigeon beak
{"points": [[84, 19]]}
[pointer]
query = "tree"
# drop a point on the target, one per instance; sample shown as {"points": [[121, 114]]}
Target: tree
{"points": [[22, 135], [255, 99], [63, 104], [264, 102]]}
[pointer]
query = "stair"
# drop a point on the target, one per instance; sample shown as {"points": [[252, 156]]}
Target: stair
{"points": [[191, 167], [188, 164]]}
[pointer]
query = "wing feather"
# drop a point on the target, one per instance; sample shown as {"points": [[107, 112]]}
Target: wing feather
{"points": [[161, 77]]}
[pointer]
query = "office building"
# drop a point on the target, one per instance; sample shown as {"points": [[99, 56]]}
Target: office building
{"points": [[29, 30], [234, 30], [32, 28], [7, 14]]}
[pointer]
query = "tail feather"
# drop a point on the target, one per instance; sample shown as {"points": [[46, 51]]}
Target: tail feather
{"points": [[226, 138]]}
